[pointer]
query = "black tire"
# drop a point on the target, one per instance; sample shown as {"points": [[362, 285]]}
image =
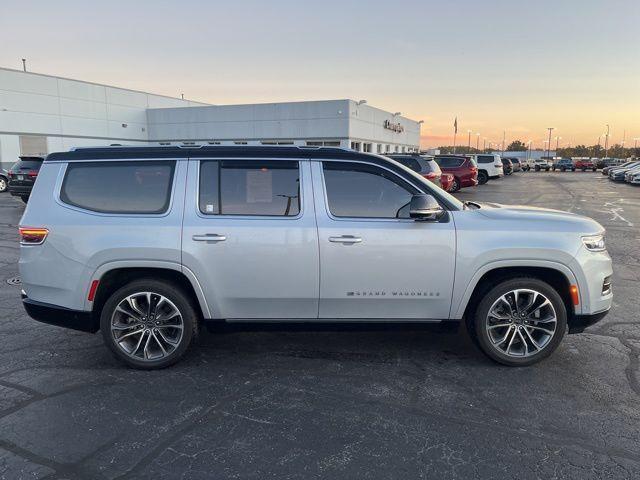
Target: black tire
{"points": [[24, 198], [536, 168], [573, 169], [455, 186], [584, 169], [563, 169], [477, 324], [172, 292], [3, 184], [483, 177], [593, 169]]}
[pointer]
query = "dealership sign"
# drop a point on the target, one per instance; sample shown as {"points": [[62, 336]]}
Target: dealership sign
{"points": [[395, 127]]}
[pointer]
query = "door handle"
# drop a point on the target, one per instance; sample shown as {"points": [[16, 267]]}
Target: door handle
{"points": [[209, 237], [345, 239]]}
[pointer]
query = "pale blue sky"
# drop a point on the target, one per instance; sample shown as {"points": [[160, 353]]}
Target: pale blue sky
{"points": [[516, 65]]}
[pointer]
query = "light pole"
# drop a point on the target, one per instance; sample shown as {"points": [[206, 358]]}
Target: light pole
{"points": [[24, 64], [484, 144], [606, 142], [529, 150], [549, 142], [504, 135], [557, 141], [469, 142], [477, 142]]}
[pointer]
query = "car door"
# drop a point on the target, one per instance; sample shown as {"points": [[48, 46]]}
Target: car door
{"points": [[250, 237], [376, 262]]}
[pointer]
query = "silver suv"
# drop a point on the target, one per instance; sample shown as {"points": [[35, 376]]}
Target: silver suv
{"points": [[147, 243]]}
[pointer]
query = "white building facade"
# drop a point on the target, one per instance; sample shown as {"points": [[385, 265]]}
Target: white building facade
{"points": [[40, 114]]}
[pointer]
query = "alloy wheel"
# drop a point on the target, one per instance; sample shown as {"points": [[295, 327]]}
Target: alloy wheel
{"points": [[147, 326], [521, 323], [3, 184]]}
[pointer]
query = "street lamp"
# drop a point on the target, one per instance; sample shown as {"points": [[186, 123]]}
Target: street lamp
{"points": [[606, 142], [549, 142], [469, 142], [557, 140], [484, 145], [477, 141]]}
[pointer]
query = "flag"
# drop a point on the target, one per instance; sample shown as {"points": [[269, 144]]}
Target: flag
{"points": [[455, 125]]}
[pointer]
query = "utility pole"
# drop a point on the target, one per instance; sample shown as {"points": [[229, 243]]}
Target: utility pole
{"points": [[484, 145], [504, 135], [549, 143], [24, 64], [557, 141], [606, 142]]}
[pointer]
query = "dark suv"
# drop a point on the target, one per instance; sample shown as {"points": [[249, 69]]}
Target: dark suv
{"points": [[421, 164], [563, 164], [463, 168], [507, 166], [23, 175]]}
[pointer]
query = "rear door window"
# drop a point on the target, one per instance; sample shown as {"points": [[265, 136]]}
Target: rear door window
{"points": [[409, 162], [250, 187], [448, 162], [485, 158], [127, 187]]}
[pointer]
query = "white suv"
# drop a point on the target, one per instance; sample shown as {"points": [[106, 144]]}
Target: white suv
{"points": [[489, 166], [145, 244]]}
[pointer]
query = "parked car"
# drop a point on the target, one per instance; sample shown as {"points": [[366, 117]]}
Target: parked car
{"points": [[4, 180], [422, 164], [605, 170], [585, 164], [632, 175], [507, 166], [463, 168], [527, 164], [563, 164], [447, 180], [617, 174], [489, 166], [516, 163], [541, 164], [244, 234], [23, 175]]}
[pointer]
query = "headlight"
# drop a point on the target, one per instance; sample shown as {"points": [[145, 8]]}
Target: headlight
{"points": [[594, 243]]}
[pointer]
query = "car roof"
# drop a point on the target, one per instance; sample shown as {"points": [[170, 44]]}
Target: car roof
{"points": [[206, 151]]}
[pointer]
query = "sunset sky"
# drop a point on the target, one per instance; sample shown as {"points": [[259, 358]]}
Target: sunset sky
{"points": [[513, 65]]}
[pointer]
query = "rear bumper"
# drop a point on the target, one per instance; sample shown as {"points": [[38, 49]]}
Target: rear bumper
{"points": [[580, 322], [468, 182], [60, 316], [19, 191]]}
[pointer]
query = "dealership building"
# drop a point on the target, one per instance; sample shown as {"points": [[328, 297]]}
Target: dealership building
{"points": [[40, 114]]}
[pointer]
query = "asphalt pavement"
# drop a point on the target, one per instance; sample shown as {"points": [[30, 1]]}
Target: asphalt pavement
{"points": [[341, 403]]}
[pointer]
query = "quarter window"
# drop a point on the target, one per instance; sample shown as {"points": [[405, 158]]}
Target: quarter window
{"points": [[365, 191], [250, 187], [138, 187]]}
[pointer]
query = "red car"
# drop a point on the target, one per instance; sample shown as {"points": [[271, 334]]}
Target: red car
{"points": [[585, 164], [463, 169]]}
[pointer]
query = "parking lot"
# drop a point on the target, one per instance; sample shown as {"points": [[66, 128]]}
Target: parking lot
{"points": [[409, 402]]}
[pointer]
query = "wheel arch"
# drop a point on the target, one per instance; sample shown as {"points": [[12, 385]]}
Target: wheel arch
{"points": [[113, 276], [558, 276]]}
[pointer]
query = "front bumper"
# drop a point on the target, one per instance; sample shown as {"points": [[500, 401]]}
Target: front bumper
{"points": [[579, 322], [60, 316]]}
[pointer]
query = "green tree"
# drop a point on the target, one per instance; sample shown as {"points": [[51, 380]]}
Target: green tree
{"points": [[517, 146]]}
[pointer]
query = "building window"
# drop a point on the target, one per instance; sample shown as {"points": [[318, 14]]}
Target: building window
{"points": [[366, 147], [241, 142], [387, 148], [214, 143], [277, 142], [379, 148]]}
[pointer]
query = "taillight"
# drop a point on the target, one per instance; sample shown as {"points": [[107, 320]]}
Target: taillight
{"points": [[32, 235], [33, 173]]}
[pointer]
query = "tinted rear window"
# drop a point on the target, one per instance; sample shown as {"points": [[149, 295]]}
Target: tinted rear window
{"points": [[250, 187], [139, 187], [409, 162], [485, 158], [30, 164], [449, 162]]}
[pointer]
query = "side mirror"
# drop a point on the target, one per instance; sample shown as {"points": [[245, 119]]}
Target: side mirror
{"points": [[425, 208]]}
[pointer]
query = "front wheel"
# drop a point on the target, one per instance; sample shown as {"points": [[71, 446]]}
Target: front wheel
{"points": [[483, 177], [3, 184], [455, 185], [519, 322], [593, 169], [148, 324]]}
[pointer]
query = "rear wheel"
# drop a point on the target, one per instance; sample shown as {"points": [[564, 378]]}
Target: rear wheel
{"points": [[519, 322], [3, 184], [483, 177], [148, 324], [537, 168], [455, 185]]}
